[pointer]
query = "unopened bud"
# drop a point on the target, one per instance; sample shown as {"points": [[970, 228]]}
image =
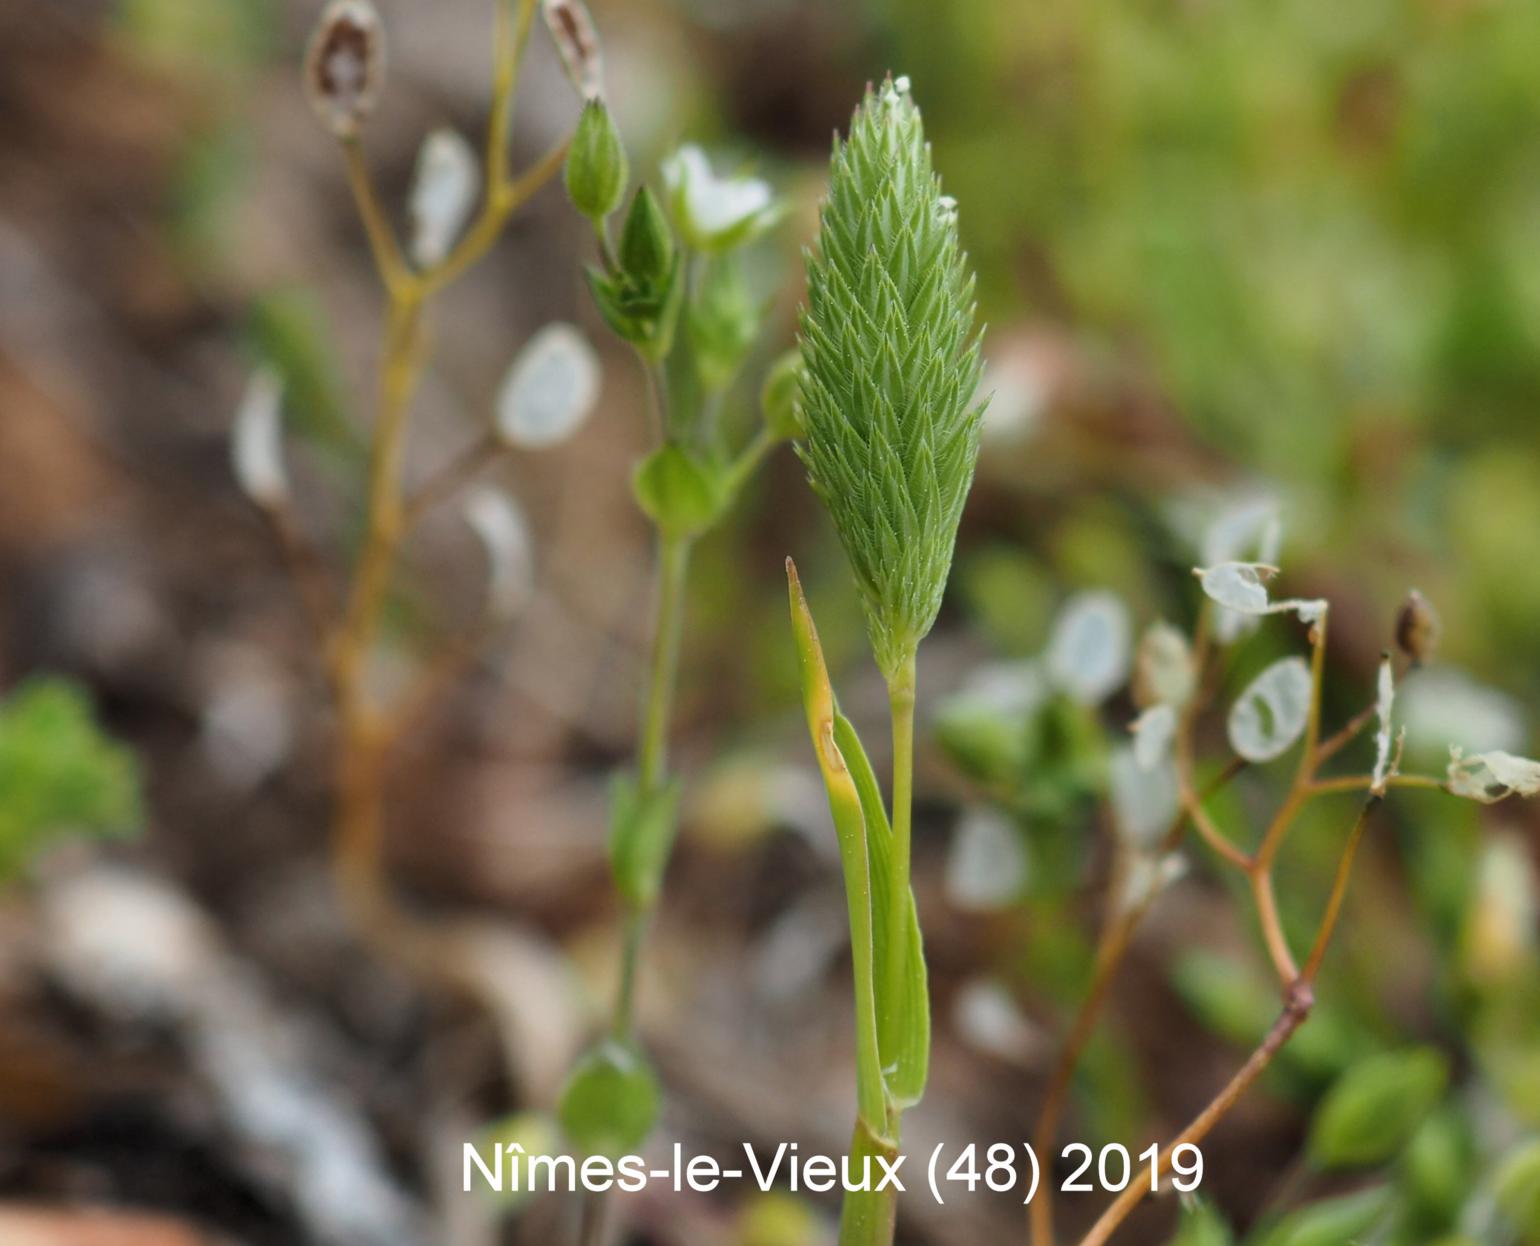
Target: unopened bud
{"points": [[1417, 628], [345, 65], [572, 31], [596, 164], [646, 245]]}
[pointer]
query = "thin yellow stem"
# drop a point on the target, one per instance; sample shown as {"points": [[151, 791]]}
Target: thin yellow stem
{"points": [[1115, 938], [1362, 783], [1307, 754], [1272, 926], [500, 203], [1335, 743], [386, 250]]}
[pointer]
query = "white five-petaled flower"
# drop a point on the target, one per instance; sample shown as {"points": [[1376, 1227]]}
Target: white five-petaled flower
{"points": [[715, 213]]}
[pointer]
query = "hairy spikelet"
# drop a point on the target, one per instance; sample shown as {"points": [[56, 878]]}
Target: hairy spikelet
{"points": [[890, 370]]}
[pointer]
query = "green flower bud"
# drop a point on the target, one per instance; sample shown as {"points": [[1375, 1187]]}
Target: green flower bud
{"points": [[780, 399], [640, 300], [891, 365], [646, 245], [722, 323], [596, 170]]}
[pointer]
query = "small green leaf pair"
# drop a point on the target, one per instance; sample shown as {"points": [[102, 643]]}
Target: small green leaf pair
{"points": [[682, 495], [610, 1102], [892, 1000], [642, 827]]}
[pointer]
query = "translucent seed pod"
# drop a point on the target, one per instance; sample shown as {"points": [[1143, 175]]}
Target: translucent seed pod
{"points": [[345, 65]]}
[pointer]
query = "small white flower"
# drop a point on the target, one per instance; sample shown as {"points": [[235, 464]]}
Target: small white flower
{"points": [[713, 213]]}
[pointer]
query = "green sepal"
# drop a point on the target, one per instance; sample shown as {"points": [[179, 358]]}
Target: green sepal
{"points": [[610, 1102], [680, 494], [642, 829], [646, 249], [640, 311]]}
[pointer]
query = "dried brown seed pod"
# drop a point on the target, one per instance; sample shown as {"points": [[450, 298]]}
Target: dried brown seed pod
{"points": [[572, 30], [345, 65], [1417, 628]]}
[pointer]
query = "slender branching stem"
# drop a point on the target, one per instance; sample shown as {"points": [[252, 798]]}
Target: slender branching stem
{"points": [[366, 730], [1363, 782], [1298, 983], [1117, 932], [501, 201], [388, 261], [1296, 1009], [449, 479], [1338, 890]]}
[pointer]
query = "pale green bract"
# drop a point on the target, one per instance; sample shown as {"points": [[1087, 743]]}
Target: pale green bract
{"points": [[891, 370]]}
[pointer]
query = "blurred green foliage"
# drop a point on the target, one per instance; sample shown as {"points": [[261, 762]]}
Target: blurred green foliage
{"points": [[59, 773]]}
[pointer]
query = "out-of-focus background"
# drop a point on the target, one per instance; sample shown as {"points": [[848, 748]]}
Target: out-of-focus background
{"points": [[1230, 254]]}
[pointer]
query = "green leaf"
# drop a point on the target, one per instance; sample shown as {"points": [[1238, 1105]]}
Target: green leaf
{"points": [[288, 329], [1436, 1173], [642, 828], [1518, 1190], [1201, 1225], [1333, 1221], [853, 833], [1374, 1108], [610, 1103], [679, 493], [903, 1024], [59, 773]]}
